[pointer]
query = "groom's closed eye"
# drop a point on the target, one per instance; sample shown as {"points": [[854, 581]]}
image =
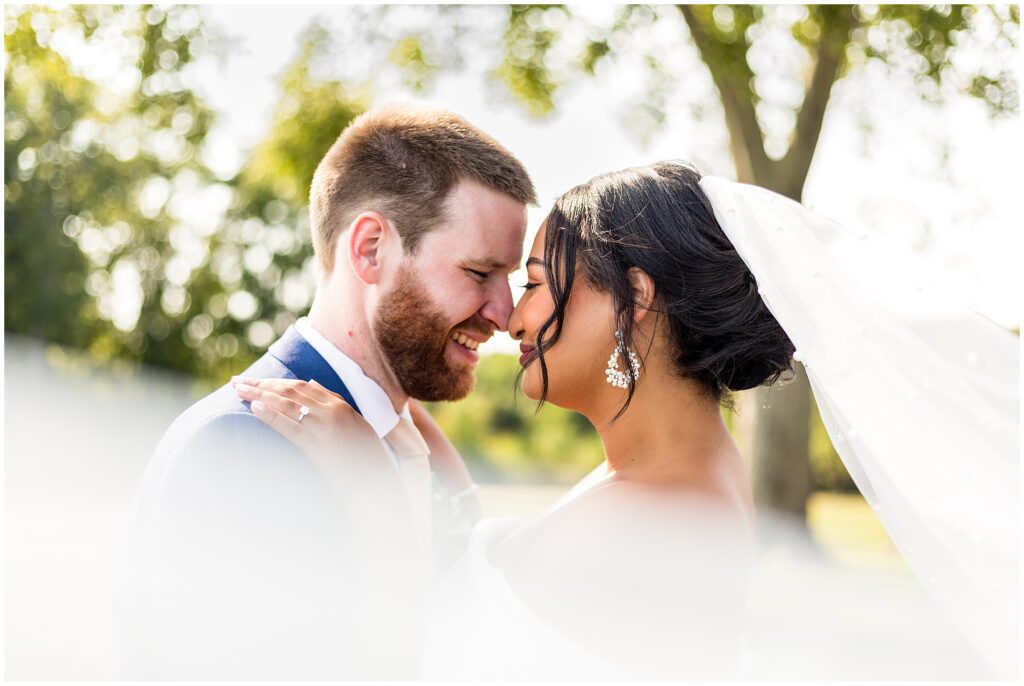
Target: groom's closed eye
{"points": [[484, 267]]}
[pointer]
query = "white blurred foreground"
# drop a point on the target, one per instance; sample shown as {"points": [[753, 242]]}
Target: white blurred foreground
{"points": [[76, 447]]}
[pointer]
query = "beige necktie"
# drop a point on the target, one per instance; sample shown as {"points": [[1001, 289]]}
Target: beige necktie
{"points": [[411, 452]]}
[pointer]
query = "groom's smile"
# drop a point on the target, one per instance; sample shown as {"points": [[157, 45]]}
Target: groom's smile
{"points": [[466, 341], [452, 293]]}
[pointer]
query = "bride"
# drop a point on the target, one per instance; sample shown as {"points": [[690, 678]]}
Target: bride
{"points": [[652, 296]]}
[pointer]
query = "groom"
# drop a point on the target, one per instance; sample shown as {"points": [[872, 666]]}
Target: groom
{"points": [[241, 563]]}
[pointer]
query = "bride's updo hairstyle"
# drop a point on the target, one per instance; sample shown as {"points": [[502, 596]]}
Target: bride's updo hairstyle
{"points": [[657, 218]]}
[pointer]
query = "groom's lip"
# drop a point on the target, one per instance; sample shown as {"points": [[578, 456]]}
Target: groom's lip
{"points": [[474, 336]]}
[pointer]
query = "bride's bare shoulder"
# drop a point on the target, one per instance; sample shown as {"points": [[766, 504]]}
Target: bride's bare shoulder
{"points": [[653, 509], [631, 557], [622, 522]]}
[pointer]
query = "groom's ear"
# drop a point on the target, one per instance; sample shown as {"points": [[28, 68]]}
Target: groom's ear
{"points": [[643, 291], [368, 233]]}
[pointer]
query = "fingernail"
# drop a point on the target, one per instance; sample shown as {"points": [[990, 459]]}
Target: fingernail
{"points": [[258, 406], [243, 387]]}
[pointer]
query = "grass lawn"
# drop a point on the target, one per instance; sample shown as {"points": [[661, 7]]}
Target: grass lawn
{"points": [[846, 526]]}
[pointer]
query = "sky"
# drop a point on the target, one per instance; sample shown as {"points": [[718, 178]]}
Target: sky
{"points": [[956, 223]]}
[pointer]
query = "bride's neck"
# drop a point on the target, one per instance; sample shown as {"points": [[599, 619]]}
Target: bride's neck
{"points": [[668, 431]]}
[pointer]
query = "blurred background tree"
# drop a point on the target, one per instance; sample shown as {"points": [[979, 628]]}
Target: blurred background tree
{"points": [[500, 433], [118, 240], [91, 155]]}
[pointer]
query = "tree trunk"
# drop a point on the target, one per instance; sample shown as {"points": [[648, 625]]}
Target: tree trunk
{"points": [[782, 476], [782, 470], [782, 473]]}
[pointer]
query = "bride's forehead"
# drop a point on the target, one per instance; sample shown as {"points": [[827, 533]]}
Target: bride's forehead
{"points": [[538, 243]]}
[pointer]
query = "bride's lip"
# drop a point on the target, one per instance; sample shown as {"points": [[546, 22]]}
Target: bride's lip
{"points": [[528, 353]]}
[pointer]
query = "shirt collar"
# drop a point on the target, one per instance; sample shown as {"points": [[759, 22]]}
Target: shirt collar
{"points": [[369, 396]]}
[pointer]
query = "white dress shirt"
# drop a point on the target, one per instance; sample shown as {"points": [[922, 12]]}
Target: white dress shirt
{"points": [[373, 402], [379, 411]]}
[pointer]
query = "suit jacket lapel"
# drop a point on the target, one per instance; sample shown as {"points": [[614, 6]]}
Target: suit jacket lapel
{"points": [[306, 363]]}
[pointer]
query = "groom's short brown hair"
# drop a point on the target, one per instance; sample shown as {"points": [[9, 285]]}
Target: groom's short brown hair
{"points": [[403, 161]]}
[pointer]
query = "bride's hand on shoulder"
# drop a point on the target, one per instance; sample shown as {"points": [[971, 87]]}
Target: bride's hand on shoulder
{"points": [[339, 442], [355, 465]]}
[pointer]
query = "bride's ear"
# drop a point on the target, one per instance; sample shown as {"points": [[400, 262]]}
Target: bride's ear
{"points": [[643, 292]]}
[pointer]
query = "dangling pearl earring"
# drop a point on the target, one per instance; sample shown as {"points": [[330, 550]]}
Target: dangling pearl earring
{"points": [[613, 374]]}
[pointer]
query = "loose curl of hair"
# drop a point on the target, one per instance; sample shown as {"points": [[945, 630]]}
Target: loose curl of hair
{"points": [[657, 218]]}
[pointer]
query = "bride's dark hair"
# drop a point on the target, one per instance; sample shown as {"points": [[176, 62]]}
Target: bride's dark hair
{"points": [[657, 218]]}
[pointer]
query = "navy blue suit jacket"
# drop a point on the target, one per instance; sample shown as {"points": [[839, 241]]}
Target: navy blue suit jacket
{"points": [[236, 565]]}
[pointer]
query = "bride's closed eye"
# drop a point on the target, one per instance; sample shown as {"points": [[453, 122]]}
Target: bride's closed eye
{"points": [[528, 286]]}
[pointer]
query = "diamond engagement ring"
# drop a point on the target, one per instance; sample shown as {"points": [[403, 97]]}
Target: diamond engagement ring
{"points": [[303, 411]]}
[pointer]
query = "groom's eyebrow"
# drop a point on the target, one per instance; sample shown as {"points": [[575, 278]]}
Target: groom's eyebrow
{"points": [[490, 263]]}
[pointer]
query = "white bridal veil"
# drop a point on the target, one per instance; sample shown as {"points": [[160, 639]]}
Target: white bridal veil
{"points": [[919, 397]]}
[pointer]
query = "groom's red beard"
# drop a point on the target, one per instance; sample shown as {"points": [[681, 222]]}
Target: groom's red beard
{"points": [[411, 332]]}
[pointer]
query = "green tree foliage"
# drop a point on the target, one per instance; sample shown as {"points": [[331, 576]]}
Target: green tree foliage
{"points": [[944, 48], [118, 240], [89, 238]]}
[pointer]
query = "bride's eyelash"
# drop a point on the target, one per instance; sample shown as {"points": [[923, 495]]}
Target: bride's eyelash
{"points": [[528, 286]]}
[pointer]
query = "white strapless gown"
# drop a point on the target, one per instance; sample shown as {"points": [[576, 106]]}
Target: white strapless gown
{"points": [[479, 629]]}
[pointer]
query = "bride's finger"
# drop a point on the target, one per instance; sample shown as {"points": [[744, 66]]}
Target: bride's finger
{"points": [[327, 394], [289, 407], [315, 390], [283, 425], [292, 388]]}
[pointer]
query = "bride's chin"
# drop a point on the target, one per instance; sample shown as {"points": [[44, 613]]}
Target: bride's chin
{"points": [[530, 392], [531, 386]]}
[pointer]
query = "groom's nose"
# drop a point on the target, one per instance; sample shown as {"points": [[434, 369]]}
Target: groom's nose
{"points": [[498, 308]]}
